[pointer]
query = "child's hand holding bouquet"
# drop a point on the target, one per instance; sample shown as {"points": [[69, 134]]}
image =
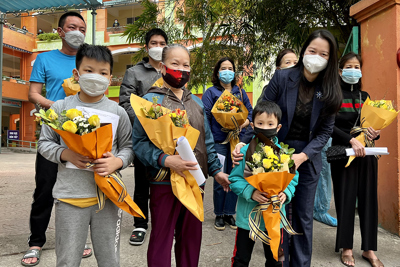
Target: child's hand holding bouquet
{"points": [[88, 145]]}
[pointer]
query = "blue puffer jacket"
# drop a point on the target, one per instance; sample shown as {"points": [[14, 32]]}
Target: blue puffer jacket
{"points": [[211, 96], [154, 158], [244, 190]]}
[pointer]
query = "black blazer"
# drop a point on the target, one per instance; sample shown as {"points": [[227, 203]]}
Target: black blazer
{"points": [[283, 90]]}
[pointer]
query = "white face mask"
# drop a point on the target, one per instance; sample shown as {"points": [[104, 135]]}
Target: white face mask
{"points": [[93, 84], [314, 63], [156, 53], [74, 38]]}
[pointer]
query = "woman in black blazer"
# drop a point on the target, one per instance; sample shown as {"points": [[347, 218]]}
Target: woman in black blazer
{"points": [[309, 95]]}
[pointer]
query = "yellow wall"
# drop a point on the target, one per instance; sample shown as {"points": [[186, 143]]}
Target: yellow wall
{"points": [[120, 62]]}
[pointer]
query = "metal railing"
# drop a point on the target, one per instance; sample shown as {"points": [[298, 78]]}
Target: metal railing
{"points": [[22, 143], [119, 29]]}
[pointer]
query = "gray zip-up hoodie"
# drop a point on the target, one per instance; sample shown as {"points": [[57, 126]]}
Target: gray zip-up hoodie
{"points": [[137, 80], [76, 183]]}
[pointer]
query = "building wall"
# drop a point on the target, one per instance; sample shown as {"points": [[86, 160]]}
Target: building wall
{"points": [[380, 40]]}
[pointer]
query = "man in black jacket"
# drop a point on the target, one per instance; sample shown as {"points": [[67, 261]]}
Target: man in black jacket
{"points": [[138, 80]]}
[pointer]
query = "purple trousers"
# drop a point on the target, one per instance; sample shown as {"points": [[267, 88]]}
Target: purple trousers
{"points": [[168, 218]]}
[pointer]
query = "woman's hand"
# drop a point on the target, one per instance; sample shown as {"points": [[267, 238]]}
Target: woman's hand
{"points": [[236, 155], [372, 134], [222, 179], [259, 196], [177, 164], [358, 148], [299, 159], [245, 124]]}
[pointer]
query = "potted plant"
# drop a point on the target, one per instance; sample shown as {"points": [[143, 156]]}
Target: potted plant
{"points": [[21, 81]]}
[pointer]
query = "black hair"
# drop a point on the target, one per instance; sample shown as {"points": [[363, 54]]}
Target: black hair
{"points": [[98, 52], [281, 54], [61, 22], [331, 91], [155, 31], [215, 79], [269, 108], [167, 48], [346, 58]]}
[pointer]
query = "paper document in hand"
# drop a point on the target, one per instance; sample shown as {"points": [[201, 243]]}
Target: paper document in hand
{"points": [[369, 151], [186, 153], [222, 160]]}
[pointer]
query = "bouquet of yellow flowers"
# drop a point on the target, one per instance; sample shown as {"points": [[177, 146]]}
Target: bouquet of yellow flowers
{"points": [[265, 159], [70, 120], [85, 136], [377, 114], [230, 113], [384, 104], [229, 103], [179, 118], [272, 170], [164, 127], [71, 87]]}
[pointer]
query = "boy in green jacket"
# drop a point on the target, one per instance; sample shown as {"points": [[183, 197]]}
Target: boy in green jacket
{"points": [[266, 118]]}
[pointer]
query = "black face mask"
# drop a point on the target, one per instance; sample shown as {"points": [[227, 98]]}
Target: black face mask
{"points": [[269, 133]]}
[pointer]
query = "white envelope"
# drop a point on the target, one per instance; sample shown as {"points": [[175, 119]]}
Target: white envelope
{"points": [[369, 151]]}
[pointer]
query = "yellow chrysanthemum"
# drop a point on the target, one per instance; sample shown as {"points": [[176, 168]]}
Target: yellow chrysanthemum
{"points": [[94, 120], [220, 106], [256, 157], [267, 163], [285, 158], [172, 115], [51, 114], [268, 151], [70, 126], [72, 113]]}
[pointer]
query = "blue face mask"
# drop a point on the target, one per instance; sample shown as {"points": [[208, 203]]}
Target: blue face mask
{"points": [[351, 76], [226, 76]]}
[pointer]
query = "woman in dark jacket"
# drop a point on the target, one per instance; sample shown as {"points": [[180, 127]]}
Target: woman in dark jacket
{"points": [[359, 180], [309, 96], [224, 79]]}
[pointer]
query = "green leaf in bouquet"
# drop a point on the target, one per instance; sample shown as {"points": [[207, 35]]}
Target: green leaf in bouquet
{"points": [[291, 151], [52, 126], [41, 111], [291, 163], [251, 165], [259, 147]]}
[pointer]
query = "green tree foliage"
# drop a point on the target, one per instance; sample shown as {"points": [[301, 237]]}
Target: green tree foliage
{"points": [[252, 32]]}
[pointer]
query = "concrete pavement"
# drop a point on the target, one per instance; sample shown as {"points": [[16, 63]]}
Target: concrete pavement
{"points": [[17, 184]]}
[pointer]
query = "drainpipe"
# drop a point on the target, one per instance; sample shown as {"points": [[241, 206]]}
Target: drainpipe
{"points": [[94, 26], [2, 16]]}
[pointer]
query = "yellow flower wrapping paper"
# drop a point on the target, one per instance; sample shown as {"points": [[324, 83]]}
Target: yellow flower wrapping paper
{"points": [[377, 118], [164, 134], [226, 119]]}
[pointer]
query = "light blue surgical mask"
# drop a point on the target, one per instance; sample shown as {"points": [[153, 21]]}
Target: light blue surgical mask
{"points": [[351, 76], [226, 76]]}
